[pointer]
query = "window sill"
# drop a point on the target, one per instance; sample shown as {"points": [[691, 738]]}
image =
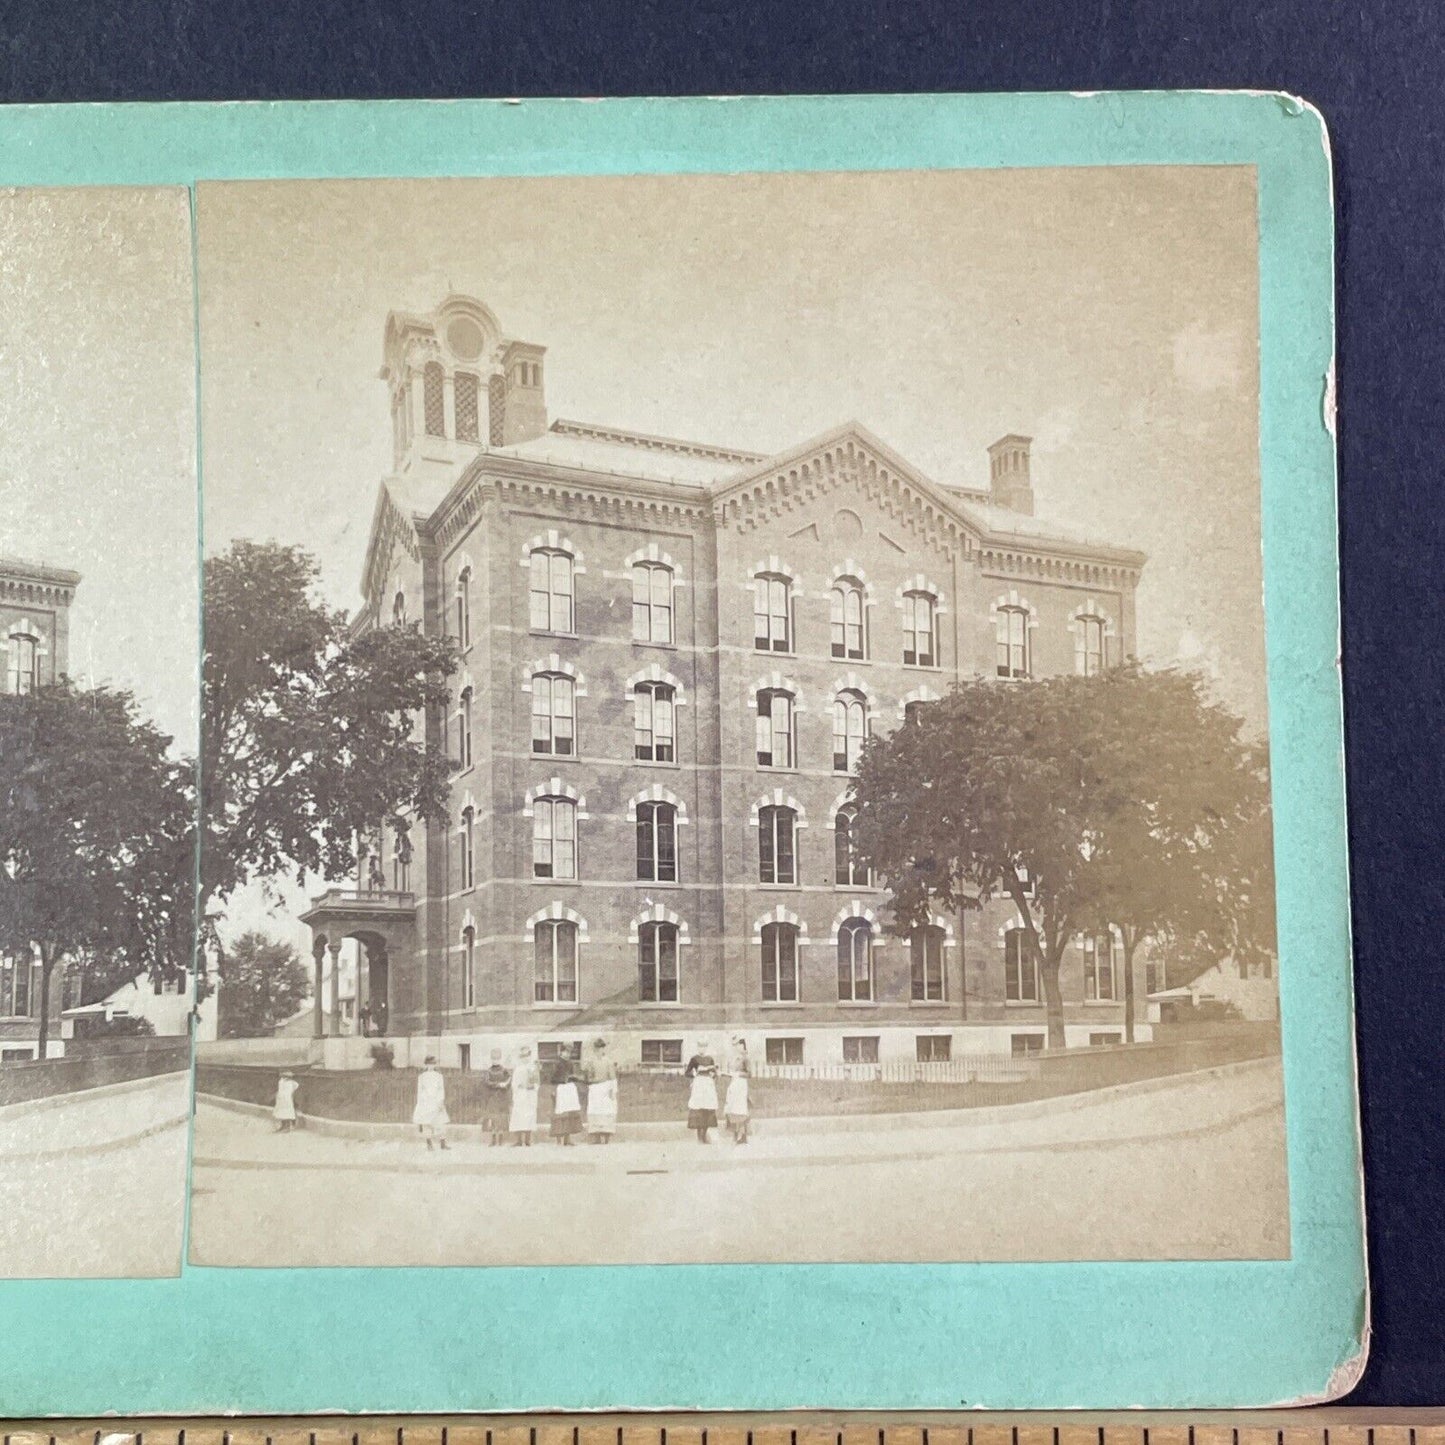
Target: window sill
{"points": [[554, 1007], [785, 1003], [860, 888], [558, 882], [655, 763], [547, 632], [928, 1003], [555, 757], [777, 768], [859, 1003], [653, 1005], [661, 646], [1103, 1003], [1023, 1003], [851, 661], [665, 884], [779, 887]]}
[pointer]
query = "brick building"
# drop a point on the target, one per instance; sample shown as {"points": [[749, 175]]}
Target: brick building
{"points": [[34, 645], [671, 654]]}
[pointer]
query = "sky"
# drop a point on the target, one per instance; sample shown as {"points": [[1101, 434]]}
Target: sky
{"points": [[1110, 313], [97, 410]]}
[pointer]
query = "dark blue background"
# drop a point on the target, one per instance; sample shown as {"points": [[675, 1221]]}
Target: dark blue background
{"points": [[1372, 67]]}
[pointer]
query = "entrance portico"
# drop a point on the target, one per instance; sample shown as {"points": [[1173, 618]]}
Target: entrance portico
{"points": [[383, 922]]}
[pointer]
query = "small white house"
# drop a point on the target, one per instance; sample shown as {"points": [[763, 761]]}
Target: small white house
{"points": [[164, 1003]]}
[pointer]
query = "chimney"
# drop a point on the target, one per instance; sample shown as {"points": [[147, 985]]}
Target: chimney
{"points": [[518, 404], [1008, 474]]}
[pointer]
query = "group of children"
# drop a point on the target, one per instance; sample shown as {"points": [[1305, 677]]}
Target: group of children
{"points": [[513, 1093]]}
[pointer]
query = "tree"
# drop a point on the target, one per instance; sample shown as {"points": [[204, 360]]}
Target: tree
{"points": [[1088, 801], [92, 811], [1176, 859], [312, 731], [262, 983]]}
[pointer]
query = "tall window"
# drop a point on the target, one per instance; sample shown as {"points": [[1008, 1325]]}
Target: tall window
{"points": [[780, 963], [849, 721], [925, 947], [1099, 968], [1020, 968], [401, 861], [465, 386], [776, 729], [554, 721], [848, 625], [554, 838], [848, 868], [920, 629], [777, 845], [398, 610], [24, 663], [433, 407], [772, 613], [469, 967], [1012, 629], [855, 961], [464, 728], [551, 591], [657, 963], [464, 609], [933, 1048], [653, 718], [466, 844], [651, 602], [554, 946], [1089, 650], [657, 842]]}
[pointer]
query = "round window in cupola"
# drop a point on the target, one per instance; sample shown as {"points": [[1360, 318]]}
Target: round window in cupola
{"points": [[465, 338]]}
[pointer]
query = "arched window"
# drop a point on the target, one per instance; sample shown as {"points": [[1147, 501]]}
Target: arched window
{"points": [[554, 838], [657, 963], [855, 961], [464, 728], [777, 845], [1091, 645], [850, 713], [469, 967], [24, 663], [849, 870], [651, 602], [657, 842], [464, 608], [920, 629], [433, 407], [465, 385], [554, 719], [1012, 627], [401, 860], [653, 717], [554, 949], [848, 619], [398, 610], [780, 963], [1099, 968], [551, 591], [1020, 968], [775, 729], [466, 845], [772, 613], [925, 946]]}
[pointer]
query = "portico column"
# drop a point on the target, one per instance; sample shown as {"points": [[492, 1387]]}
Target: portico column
{"points": [[334, 949], [317, 1023]]}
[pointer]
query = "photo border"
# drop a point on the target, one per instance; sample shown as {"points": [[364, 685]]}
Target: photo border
{"points": [[766, 1337]]}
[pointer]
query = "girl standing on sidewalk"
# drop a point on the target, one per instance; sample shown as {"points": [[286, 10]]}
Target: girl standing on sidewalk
{"points": [[430, 1115], [601, 1095], [526, 1081], [495, 1083], [284, 1109], [702, 1097], [737, 1107], [566, 1102]]}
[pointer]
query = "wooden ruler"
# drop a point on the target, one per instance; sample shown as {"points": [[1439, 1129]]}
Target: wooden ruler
{"points": [[1316, 1426]]}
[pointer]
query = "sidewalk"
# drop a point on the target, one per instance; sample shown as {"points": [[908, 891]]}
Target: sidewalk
{"points": [[1181, 1107], [93, 1120]]}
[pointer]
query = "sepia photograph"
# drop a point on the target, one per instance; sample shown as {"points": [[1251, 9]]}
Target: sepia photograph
{"points": [[733, 722], [99, 632]]}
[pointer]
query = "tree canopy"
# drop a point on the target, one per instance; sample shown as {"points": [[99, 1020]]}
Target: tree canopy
{"points": [[97, 845], [312, 733], [1127, 799], [262, 983]]}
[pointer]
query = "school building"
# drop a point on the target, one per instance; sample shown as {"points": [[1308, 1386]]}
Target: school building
{"points": [[671, 654]]}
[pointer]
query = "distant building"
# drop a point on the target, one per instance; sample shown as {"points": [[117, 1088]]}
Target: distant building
{"points": [[34, 651], [164, 1003], [671, 655]]}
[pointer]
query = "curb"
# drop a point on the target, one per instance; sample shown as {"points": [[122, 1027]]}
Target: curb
{"points": [[593, 1161], [368, 1132], [46, 1102], [105, 1146]]}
